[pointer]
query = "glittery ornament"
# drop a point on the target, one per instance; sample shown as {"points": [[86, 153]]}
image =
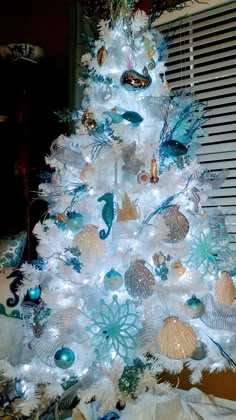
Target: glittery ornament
{"points": [[154, 178], [101, 55], [130, 377], [133, 81], [143, 177], [224, 289], [34, 293], [218, 317], [139, 280], [177, 340], [74, 221], [88, 120], [173, 148], [200, 351], [176, 222], [89, 243], [194, 307], [64, 358], [113, 280]]}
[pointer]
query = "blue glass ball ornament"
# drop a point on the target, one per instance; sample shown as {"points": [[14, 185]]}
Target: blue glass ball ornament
{"points": [[194, 307], [74, 221], [64, 358], [20, 387], [173, 148], [34, 293], [200, 351], [133, 81], [110, 416], [113, 280]]}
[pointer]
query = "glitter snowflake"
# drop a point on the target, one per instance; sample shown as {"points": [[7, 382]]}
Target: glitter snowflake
{"points": [[209, 253], [114, 329]]}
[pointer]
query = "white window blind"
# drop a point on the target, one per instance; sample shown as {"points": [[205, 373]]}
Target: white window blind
{"points": [[202, 58]]}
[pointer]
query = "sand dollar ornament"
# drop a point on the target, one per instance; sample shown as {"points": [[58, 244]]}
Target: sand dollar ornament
{"points": [[177, 339], [113, 280], [139, 280], [89, 243], [177, 224]]}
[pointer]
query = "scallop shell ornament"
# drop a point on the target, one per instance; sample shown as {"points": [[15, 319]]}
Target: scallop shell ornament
{"points": [[224, 289], [89, 243], [177, 339], [177, 224], [139, 281]]}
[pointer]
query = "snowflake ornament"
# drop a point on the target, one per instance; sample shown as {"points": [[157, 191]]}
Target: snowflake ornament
{"points": [[209, 253], [114, 329]]}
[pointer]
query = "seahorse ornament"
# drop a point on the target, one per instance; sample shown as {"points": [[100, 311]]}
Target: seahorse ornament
{"points": [[108, 213]]}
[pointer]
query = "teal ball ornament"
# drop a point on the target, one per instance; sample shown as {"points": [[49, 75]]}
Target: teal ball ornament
{"points": [[64, 358], [194, 307], [113, 280], [34, 293], [200, 351], [20, 387], [75, 221]]}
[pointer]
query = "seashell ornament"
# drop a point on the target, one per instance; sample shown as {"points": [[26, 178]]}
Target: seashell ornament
{"points": [[176, 222], [89, 243], [224, 289], [101, 55], [139, 281], [177, 339], [178, 268]]}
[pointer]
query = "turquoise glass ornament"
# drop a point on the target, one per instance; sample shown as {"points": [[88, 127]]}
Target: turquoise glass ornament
{"points": [[64, 358], [200, 351], [173, 148], [133, 81], [74, 221], [108, 213], [34, 293], [130, 377], [21, 387], [132, 117], [194, 307], [114, 329], [113, 280]]}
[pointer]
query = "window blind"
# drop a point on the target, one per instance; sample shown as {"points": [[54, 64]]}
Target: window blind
{"points": [[202, 58]]}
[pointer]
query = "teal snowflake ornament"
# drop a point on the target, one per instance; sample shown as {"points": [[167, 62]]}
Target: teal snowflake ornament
{"points": [[209, 253], [114, 329]]}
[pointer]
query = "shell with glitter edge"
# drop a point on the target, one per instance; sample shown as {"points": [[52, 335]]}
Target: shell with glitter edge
{"points": [[224, 289], [177, 339], [139, 281], [89, 243], [177, 224]]}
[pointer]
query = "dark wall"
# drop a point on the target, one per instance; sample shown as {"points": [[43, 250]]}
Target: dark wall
{"points": [[30, 94]]}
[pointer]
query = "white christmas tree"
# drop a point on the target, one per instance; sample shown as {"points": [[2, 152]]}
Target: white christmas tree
{"points": [[133, 276]]}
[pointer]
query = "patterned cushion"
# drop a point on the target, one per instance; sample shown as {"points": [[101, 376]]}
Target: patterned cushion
{"points": [[11, 249], [10, 303]]}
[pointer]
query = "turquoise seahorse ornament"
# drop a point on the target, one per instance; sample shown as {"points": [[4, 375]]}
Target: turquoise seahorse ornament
{"points": [[108, 213]]}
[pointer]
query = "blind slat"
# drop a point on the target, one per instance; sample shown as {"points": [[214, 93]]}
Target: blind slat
{"points": [[217, 139], [218, 148], [194, 72]]}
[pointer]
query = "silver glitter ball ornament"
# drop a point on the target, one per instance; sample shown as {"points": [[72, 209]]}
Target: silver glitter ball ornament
{"points": [[139, 280]]}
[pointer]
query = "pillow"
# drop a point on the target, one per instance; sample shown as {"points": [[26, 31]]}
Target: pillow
{"points": [[11, 249], [10, 302]]}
